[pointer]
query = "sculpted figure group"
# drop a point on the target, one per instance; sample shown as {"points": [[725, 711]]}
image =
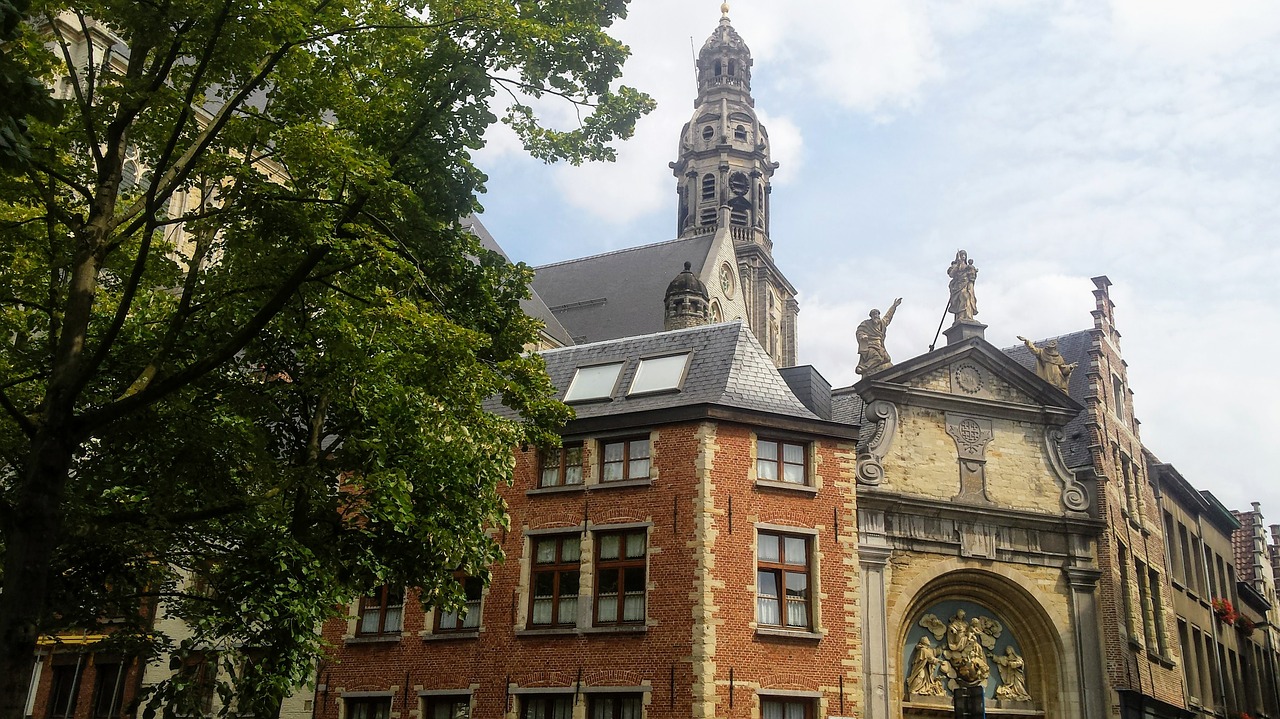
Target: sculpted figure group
{"points": [[963, 658]]}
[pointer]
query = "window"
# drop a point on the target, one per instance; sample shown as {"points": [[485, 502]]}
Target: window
{"points": [[469, 617], [448, 707], [738, 217], [733, 67], [782, 578], [108, 689], [558, 706], [740, 133], [1189, 667], [65, 687], [615, 706], [596, 382], [1157, 612], [707, 216], [198, 675], [659, 374], [778, 461], [625, 459], [620, 572], [708, 182], [707, 133], [369, 708], [561, 466], [1188, 573], [786, 708], [555, 581], [1126, 593], [382, 612]]}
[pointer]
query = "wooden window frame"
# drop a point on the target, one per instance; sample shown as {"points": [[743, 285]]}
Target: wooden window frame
{"points": [[558, 568], [433, 702], [350, 704], [616, 698], [548, 708], [622, 565], [779, 462], [382, 605], [471, 605], [561, 457], [110, 687], [780, 569], [61, 696], [627, 458], [807, 702]]}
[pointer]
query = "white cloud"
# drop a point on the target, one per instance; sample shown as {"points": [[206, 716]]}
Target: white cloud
{"points": [[1194, 30]]}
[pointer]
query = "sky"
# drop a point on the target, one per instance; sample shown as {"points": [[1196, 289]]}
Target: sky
{"points": [[1054, 140]]}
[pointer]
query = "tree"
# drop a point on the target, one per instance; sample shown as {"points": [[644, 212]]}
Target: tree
{"points": [[247, 339]]}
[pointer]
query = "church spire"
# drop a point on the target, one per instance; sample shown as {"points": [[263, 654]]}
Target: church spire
{"points": [[724, 167]]}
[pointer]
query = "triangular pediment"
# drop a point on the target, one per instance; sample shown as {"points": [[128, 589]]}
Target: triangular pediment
{"points": [[973, 372]]}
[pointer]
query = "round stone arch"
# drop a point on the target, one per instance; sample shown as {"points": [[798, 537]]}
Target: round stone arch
{"points": [[1001, 590]]}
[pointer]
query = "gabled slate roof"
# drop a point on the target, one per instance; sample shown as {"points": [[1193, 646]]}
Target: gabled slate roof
{"points": [[1073, 347], [534, 306], [617, 294]]}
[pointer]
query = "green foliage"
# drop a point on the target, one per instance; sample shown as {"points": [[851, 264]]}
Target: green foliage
{"points": [[242, 314]]}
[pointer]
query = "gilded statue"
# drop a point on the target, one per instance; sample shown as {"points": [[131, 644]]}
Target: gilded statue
{"points": [[923, 680], [1051, 366], [963, 303], [965, 651], [872, 355], [1013, 676]]}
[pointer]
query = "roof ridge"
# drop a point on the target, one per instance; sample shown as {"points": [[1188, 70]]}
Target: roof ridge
{"points": [[617, 252], [629, 338]]}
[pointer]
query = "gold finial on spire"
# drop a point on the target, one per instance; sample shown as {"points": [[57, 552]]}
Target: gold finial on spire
{"points": [[724, 9]]}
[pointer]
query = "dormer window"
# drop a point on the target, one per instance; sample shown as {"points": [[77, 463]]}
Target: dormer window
{"points": [[594, 383], [659, 374]]}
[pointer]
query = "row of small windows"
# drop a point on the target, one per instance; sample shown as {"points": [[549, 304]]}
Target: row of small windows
{"points": [[720, 65], [620, 571], [600, 705], [625, 459], [739, 133]]}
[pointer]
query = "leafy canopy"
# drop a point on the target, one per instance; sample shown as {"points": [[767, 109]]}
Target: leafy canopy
{"points": [[248, 342]]}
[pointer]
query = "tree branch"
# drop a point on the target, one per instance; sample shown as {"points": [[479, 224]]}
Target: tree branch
{"points": [[27, 426], [74, 75]]}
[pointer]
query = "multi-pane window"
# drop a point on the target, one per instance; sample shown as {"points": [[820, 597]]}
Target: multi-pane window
{"points": [[468, 617], [786, 708], [778, 461], [555, 581], [561, 466], [625, 459], [198, 676], [382, 612], [448, 707], [369, 708], [782, 581], [553, 706], [108, 689], [620, 577], [615, 706], [64, 690]]}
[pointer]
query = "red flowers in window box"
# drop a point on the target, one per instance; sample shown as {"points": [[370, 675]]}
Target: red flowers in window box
{"points": [[1223, 610], [1245, 625]]}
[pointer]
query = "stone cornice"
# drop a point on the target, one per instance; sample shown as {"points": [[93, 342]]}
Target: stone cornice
{"points": [[903, 395]]}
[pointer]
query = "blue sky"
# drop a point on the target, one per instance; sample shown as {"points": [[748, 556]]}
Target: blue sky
{"points": [[1054, 140]]}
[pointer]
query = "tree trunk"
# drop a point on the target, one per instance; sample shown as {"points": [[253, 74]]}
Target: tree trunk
{"points": [[32, 534]]}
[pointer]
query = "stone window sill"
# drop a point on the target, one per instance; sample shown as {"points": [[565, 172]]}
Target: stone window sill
{"points": [[779, 633], [622, 483], [374, 639], [446, 636], [558, 489], [550, 632], [618, 629], [787, 487], [583, 631]]}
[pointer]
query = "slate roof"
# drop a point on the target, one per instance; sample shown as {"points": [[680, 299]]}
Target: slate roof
{"points": [[728, 368], [1073, 347], [534, 306], [617, 294]]}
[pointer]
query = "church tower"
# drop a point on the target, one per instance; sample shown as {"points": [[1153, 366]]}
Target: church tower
{"points": [[723, 174]]}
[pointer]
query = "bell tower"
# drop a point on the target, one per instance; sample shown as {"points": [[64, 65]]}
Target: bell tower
{"points": [[723, 170]]}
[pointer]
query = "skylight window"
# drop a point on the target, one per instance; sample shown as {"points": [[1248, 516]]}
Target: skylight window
{"points": [[659, 374], [597, 382]]}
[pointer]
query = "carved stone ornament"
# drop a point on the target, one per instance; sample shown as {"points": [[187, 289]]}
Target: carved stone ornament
{"points": [[871, 456], [1074, 495], [967, 378], [971, 435]]}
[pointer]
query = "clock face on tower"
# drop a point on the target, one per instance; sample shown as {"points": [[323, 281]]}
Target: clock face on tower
{"points": [[739, 184], [726, 280]]}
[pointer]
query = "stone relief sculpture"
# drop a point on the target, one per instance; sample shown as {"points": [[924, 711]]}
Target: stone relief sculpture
{"points": [[1013, 677], [963, 303], [923, 680], [872, 356], [1051, 366], [872, 453]]}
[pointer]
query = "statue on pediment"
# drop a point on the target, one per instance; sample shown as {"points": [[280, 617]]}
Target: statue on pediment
{"points": [[872, 355], [963, 303], [1051, 366]]}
